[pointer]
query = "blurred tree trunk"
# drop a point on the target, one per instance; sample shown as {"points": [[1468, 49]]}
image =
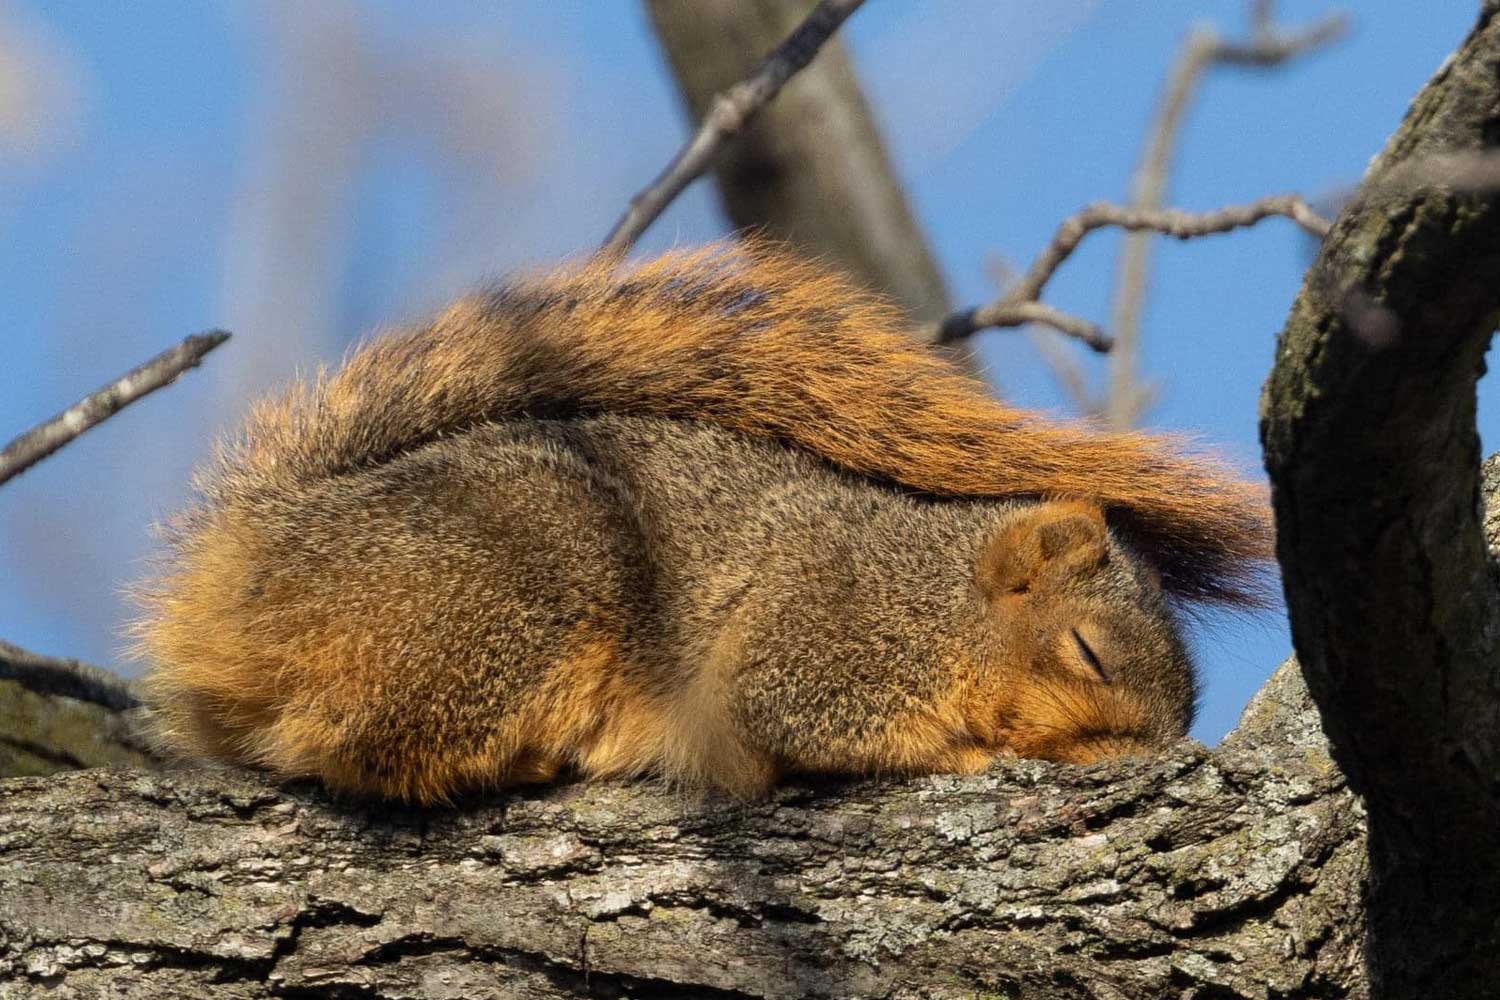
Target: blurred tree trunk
{"points": [[811, 169], [1370, 439]]}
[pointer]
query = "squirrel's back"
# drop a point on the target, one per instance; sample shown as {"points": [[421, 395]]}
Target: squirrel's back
{"points": [[622, 595], [761, 343]]}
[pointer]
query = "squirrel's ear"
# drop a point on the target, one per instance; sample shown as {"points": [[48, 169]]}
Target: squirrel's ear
{"points": [[1050, 541]]}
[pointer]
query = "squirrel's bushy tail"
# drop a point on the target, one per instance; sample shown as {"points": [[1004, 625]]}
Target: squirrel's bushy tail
{"points": [[752, 339]]}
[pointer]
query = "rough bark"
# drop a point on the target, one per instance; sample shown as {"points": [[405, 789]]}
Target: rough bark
{"points": [[1369, 431], [811, 169], [1232, 873]]}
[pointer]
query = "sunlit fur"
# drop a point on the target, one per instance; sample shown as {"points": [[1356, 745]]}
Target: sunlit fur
{"points": [[759, 342], [619, 596], [430, 572]]}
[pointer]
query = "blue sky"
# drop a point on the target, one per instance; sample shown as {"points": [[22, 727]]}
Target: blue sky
{"points": [[175, 186]]}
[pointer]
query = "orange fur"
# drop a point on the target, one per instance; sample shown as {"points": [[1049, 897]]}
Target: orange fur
{"points": [[1072, 722], [760, 342], [384, 633]]}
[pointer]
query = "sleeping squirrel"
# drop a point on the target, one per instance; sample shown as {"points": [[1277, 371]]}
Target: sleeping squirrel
{"points": [[714, 517]]}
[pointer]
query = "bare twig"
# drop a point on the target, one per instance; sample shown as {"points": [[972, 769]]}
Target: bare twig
{"points": [[63, 676], [67, 677], [731, 112], [1169, 222], [1020, 305], [1269, 46], [1005, 312], [43, 439]]}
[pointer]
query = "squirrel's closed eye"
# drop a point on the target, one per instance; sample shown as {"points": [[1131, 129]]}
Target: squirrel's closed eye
{"points": [[1090, 657]]}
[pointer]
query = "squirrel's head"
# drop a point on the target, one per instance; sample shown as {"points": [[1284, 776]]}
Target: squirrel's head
{"points": [[1095, 656]]}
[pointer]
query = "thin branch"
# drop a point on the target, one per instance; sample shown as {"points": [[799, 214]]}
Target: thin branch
{"points": [[730, 113], [1169, 222], [42, 440], [1269, 47], [1005, 312], [67, 677], [1020, 305]]}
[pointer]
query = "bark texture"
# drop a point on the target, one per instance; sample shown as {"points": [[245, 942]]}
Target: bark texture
{"points": [[1233, 873], [1370, 439]]}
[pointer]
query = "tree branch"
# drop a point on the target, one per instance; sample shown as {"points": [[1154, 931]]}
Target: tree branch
{"points": [[1170, 222], [42, 440], [66, 677], [1203, 49], [1019, 305], [1271, 45], [1371, 445], [1007, 313], [71, 678], [730, 113]]}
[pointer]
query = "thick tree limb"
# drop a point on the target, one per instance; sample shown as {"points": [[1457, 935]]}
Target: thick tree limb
{"points": [[1236, 873], [42, 440], [1370, 440], [1223, 874], [58, 714], [731, 112]]}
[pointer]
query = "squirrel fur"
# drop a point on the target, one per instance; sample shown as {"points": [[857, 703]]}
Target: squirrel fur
{"points": [[714, 517]]}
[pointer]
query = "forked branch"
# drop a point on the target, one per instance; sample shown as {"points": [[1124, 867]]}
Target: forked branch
{"points": [[1020, 304], [1269, 46]]}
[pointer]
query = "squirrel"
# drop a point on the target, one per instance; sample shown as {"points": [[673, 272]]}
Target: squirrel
{"points": [[714, 517]]}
